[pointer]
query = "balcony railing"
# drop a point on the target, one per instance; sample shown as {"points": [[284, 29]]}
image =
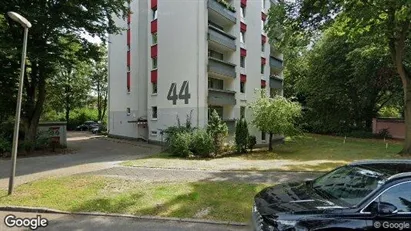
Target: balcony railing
{"points": [[218, 36], [221, 68], [276, 82], [276, 63], [222, 10], [221, 97]]}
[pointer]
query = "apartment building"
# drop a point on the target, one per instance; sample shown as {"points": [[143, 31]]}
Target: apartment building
{"points": [[182, 57]]}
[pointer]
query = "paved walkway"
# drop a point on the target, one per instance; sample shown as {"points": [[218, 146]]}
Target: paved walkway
{"points": [[60, 222], [175, 175], [91, 154]]}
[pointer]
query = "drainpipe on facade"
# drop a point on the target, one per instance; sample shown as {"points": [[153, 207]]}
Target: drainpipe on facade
{"points": [[198, 63]]}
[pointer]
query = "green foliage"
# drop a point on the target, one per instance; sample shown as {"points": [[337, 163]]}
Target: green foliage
{"points": [[180, 144], [77, 117], [227, 5], [252, 141], [201, 143], [241, 136], [384, 133], [173, 130], [5, 145], [218, 130], [389, 111]]}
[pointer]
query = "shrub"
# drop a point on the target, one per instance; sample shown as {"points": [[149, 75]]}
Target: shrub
{"points": [[218, 130], [252, 141], [201, 143], [5, 145], [170, 132], [241, 136], [180, 144]]}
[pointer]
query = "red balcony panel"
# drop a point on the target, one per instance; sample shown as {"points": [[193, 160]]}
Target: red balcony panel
{"points": [[154, 26], [263, 83], [243, 52], [263, 16], [154, 51], [128, 81], [154, 75], [243, 3], [128, 58], [263, 38], [153, 4], [243, 78], [263, 61], [128, 37], [243, 27]]}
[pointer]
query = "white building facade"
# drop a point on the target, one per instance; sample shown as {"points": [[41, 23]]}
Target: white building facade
{"points": [[182, 57]]}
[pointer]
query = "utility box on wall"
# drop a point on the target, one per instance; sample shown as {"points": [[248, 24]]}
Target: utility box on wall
{"points": [[56, 130]]}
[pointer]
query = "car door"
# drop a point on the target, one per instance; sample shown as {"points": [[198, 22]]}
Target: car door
{"points": [[398, 217]]}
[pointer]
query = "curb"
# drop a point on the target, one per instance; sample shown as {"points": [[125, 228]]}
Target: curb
{"points": [[154, 218], [226, 171]]}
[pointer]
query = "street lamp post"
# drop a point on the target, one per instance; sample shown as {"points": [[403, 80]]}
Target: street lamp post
{"points": [[26, 25]]}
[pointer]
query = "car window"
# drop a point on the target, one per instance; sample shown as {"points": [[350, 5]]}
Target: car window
{"points": [[349, 184], [399, 196]]}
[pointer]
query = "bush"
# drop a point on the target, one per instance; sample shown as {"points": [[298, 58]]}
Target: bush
{"points": [[252, 141], [241, 136], [180, 144], [218, 130], [201, 143], [5, 145]]}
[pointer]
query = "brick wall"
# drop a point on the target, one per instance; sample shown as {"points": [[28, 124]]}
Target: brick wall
{"points": [[396, 127]]}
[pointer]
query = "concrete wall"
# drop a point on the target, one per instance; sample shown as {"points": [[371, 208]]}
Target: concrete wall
{"points": [[396, 127]]}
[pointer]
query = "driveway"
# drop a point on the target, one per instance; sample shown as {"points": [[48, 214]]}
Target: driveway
{"points": [[61, 222], [92, 153]]}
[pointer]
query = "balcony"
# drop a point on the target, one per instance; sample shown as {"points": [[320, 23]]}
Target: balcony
{"points": [[273, 2], [221, 97], [221, 38], [276, 64], [221, 13], [276, 82], [221, 68]]}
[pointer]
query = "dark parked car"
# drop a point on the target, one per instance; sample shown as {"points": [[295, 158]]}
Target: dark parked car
{"points": [[88, 125], [367, 195]]}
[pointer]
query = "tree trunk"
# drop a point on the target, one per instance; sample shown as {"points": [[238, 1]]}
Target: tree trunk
{"points": [[407, 119], [99, 103], [104, 107], [270, 142]]}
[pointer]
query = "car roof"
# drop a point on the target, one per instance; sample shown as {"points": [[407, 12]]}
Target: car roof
{"points": [[391, 168]]}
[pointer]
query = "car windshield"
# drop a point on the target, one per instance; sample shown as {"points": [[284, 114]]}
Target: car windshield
{"points": [[349, 184]]}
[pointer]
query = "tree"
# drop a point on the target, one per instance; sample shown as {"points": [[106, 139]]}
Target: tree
{"points": [[380, 20], [218, 130], [241, 135], [56, 25], [275, 115], [100, 84]]}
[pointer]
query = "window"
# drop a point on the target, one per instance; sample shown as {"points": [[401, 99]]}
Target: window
{"points": [[242, 12], [242, 37], [349, 184], [262, 46], [128, 111], [262, 25], [154, 112], [154, 38], [218, 109], [399, 196], [263, 4], [215, 83], [215, 25], [215, 54], [154, 63], [154, 88], [154, 14], [242, 87], [263, 136], [242, 61], [262, 68], [242, 112]]}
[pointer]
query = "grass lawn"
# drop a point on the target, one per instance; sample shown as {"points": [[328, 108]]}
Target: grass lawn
{"points": [[202, 200], [308, 153]]}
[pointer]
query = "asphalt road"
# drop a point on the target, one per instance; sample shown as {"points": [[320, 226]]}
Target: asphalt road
{"points": [[61, 222]]}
